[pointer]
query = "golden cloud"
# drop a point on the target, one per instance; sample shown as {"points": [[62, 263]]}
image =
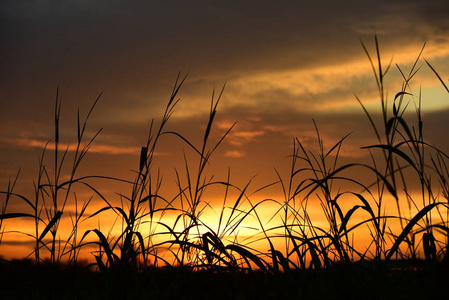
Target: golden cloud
{"points": [[235, 154]]}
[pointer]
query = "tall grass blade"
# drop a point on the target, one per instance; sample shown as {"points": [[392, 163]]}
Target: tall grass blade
{"points": [[15, 215], [438, 75], [408, 228], [53, 221], [248, 255], [394, 149]]}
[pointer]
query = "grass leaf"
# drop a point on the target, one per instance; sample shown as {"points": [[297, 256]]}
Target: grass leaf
{"points": [[408, 228]]}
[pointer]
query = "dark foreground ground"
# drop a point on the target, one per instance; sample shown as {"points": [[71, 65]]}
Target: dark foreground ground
{"points": [[24, 280]]}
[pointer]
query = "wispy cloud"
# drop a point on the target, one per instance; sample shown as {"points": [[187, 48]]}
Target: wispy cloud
{"points": [[239, 138], [49, 145]]}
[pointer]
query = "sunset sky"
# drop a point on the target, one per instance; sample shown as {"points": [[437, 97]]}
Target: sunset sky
{"points": [[285, 63]]}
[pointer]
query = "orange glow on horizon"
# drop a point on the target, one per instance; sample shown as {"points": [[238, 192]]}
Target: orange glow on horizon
{"points": [[248, 233]]}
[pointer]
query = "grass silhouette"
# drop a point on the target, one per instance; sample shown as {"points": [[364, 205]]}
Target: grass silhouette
{"points": [[187, 258]]}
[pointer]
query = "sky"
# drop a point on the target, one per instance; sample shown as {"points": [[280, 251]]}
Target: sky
{"points": [[284, 64]]}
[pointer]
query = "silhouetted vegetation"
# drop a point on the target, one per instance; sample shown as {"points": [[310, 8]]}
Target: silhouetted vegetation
{"points": [[183, 256]]}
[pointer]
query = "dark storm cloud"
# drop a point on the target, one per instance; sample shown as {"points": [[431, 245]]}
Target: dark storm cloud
{"points": [[127, 38], [118, 45]]}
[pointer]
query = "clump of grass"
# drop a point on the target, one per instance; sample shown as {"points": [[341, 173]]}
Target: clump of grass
{"points": [[147, 241], [52, 195], [404, 149], [404, 153]]}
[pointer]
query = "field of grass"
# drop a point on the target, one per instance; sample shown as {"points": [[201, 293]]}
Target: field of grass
{"points": [[165, 249]]}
